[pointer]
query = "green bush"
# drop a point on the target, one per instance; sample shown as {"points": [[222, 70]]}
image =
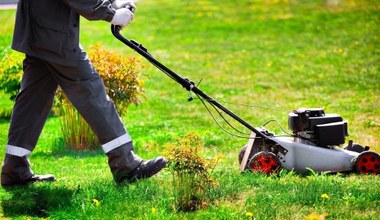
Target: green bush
{"points": [[10, 72], [10, 76]]}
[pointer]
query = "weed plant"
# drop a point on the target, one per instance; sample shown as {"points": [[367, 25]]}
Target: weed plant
{"points": [[191, 173]]}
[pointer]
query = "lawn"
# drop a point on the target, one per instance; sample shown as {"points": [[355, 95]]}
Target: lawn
{"points": [[262, 59]]}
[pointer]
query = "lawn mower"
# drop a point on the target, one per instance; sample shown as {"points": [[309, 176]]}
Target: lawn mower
{"points": [[314, 144]]}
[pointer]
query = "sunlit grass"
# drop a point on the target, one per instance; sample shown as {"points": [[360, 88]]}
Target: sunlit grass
{"points": [[274, 55]]}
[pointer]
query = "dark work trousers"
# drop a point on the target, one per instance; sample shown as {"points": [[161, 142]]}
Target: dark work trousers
{"points": [[84, 88]]}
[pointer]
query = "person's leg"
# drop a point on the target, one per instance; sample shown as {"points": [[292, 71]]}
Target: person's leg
{"points": [[30, 111], [86, 91]]}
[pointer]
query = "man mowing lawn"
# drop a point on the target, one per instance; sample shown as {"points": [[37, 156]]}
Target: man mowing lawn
{"points": [[48, 33]]}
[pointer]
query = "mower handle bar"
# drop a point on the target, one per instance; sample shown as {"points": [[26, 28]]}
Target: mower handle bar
{"points": [[186, 83]]}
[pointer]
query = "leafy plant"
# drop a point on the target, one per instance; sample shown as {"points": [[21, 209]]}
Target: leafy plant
{"points": [[121, 74], [10, 72], [191, 173], [122, 77], [10, 77]]}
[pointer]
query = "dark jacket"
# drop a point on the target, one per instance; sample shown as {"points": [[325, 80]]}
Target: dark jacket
{"points": [[49, 29]]}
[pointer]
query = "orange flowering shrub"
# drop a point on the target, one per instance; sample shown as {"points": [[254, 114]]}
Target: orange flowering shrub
{"points": [[121, 74]]}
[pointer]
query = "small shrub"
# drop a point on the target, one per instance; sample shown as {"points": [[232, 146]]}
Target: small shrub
{"points": [[124, 85], [10, 77], [191, 173], [122, 76], [10, 73]]}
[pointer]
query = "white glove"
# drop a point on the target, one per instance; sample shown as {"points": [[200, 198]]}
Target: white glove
{"points": [[122, 17], [117, 4]]}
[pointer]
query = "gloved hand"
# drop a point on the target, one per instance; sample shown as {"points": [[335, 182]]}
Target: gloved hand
{"points": [[122, 17], [117, 4]]}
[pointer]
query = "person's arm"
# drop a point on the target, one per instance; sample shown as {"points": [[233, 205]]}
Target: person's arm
{"points": [[118, 12], [92, 9]]}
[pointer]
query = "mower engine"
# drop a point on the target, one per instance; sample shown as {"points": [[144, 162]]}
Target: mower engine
{"points": [[314, 125]]}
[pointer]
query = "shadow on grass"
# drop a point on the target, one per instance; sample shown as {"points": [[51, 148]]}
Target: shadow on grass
{"points": [[35, 201]]}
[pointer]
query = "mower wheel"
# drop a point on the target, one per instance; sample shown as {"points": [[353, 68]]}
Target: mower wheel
{"points": [[242, 152], [265, 162], [367, 162]]}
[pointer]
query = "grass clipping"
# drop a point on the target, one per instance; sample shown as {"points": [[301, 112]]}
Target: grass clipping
{"points": [[191, 172]]}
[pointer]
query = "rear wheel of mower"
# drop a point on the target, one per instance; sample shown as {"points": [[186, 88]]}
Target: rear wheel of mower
{"points": [[241, 153], [367, 162], [265, 162]]}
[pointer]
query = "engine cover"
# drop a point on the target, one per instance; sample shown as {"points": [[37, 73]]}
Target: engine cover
{"points": [[318, 127], [331, 133]]}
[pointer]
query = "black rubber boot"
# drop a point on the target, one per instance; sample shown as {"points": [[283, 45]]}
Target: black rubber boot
{"points": [[16, 171], [127, 167]]}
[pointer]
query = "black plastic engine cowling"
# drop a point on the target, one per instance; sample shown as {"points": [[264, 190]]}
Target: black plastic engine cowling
{"points": [[331, 133], [323, 129]]}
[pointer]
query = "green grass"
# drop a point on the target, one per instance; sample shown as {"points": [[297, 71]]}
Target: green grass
{"points": [[276, 54]]}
